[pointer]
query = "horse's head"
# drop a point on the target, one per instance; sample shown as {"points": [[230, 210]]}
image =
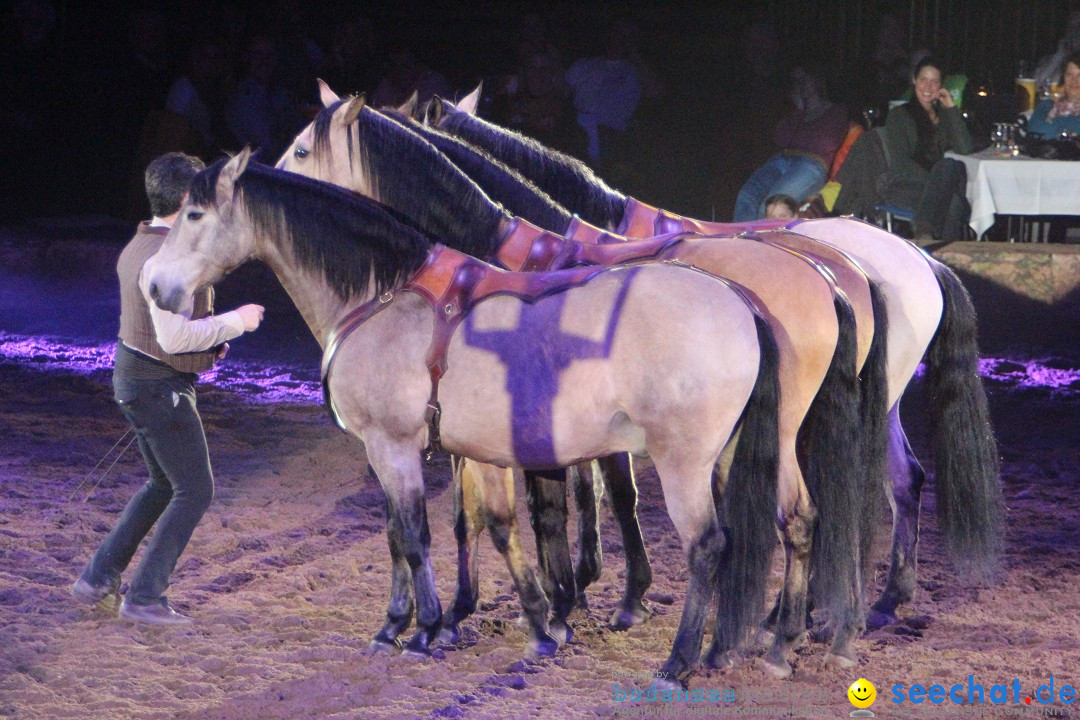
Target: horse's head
{"points": [[324, 150], [209, 238]]}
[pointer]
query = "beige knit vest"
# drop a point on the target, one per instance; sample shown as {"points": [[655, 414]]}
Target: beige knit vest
{"points": [[136, 327]]}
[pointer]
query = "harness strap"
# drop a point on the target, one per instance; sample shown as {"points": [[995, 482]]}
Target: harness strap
{"points": [[352, 320], [452, 283]]}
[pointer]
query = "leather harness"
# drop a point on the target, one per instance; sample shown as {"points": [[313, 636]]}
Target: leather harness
{"points": [[452, 283]]}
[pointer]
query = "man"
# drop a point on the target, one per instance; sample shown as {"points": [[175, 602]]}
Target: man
{"points": [[157, 358]]}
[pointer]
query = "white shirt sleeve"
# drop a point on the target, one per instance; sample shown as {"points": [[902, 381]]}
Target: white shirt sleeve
{"points": [[178, 333]]}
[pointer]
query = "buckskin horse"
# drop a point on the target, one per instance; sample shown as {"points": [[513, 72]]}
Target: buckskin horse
{"points": [[929, 314], [653, 359], [354, 146]]}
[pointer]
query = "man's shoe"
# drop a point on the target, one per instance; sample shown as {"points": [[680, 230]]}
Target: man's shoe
{"points": [[158, 613], [105, 597]]}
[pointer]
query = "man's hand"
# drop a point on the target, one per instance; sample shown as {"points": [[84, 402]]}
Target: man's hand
{"points": [[223, 350], [252, 315]]}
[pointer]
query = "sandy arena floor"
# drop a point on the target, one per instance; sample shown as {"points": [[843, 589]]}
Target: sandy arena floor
{"points": [[288, 577]]}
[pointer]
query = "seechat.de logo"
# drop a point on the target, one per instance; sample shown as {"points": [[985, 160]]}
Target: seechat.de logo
{"points": [[862, 695]]}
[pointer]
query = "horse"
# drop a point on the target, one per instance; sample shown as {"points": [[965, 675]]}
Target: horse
{"points": [[930, 315], [425, 344], [802, 308]]}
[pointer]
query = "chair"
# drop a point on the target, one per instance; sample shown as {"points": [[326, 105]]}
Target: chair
{"points": [[883, 213], [890, 213]]}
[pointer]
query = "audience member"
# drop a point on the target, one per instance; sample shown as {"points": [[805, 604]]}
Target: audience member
{"points": [[1053, 117], [780, 206], [808, 139], [1048, 71], [32, 92], [918, 134], [406, 75], [259, 112], [353, 68], [606, 91], [199, 96]]}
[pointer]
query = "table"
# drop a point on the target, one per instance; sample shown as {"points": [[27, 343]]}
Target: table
{"points": [[1018, 186]]}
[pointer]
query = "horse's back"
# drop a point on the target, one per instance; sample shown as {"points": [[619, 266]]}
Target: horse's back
{"points": [[636, 351], [912, 294]]}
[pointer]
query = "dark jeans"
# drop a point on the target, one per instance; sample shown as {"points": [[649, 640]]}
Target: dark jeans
{"points": [[940, 202], [181, 486]]}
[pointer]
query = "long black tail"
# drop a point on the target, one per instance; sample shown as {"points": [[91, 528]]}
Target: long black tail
{"points": [[969, 500], [874, 411], [748, 506], [830, 455]]}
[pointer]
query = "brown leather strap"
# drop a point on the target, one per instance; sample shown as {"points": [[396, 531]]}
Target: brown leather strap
{"points": [[452, 283], [344, 327]]}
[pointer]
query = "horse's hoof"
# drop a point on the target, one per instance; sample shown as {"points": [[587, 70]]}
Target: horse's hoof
{"points": [[561, 631], [581, 602], [834, 661], [629, 615], [418, 645], [379, 645], [449, 635], [542, 648], [778, 668], [717, 659], [875, 620]]}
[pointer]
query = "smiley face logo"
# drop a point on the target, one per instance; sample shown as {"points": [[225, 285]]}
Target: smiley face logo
{"points": [[862, 693]]}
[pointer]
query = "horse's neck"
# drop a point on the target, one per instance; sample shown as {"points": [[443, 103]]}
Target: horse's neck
{"points": [[318, 304]]}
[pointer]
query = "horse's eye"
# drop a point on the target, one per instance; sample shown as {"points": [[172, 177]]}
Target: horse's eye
{"points": [[300, 153], [194, 215]]}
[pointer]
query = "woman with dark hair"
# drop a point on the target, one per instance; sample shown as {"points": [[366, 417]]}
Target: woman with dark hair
{"points": [[1053, 117], [917, 136]]}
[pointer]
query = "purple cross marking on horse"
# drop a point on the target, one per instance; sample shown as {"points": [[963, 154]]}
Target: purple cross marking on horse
{"points": [[535, 353]]}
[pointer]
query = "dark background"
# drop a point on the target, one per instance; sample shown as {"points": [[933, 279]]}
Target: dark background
{"points": [[694, 144]]}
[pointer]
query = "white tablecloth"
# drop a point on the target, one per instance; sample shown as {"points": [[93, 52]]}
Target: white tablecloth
{"points": [[1019, 186]]}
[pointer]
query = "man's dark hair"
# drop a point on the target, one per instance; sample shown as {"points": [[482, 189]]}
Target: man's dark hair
{"points": [[167, 180]]}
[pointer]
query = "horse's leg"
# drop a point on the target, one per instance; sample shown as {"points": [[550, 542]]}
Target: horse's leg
{"points": [[498, 493], [468, 522], [546, 499], [588, 489], [400, 610], [907, 481], [797, 530], [398, 467], [618, 474], [689, 499]]}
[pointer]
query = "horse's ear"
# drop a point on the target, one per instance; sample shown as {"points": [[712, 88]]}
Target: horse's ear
{"points": [[328, 96], [410, 106], [353, 108], [435, 112], [229, 174], [470, 102]]}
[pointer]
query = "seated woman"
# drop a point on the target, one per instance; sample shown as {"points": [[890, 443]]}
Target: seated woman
{"points": [[1053, 117], [807, 139], [917, 136]]}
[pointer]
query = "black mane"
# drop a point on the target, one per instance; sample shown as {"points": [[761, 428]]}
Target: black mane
{"points": [[415, 179], [505, 185], [345, 236], [568, 180]]}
